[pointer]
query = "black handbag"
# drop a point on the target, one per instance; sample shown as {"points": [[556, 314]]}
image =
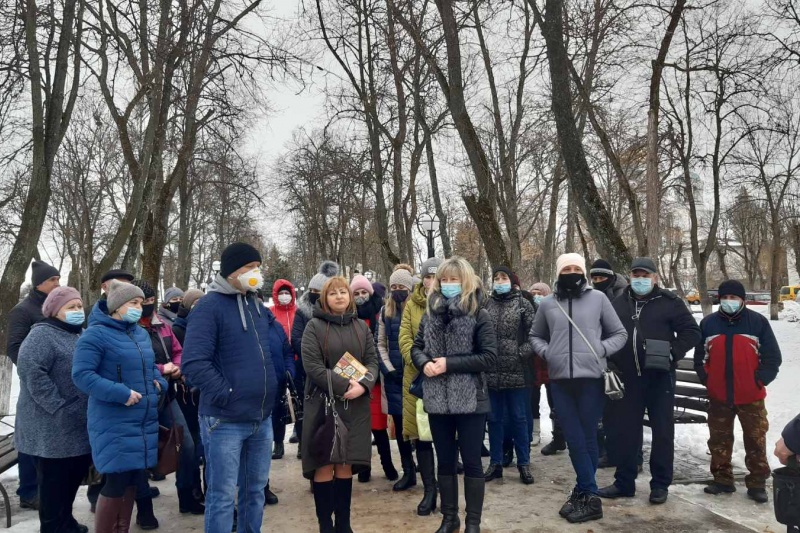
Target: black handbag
{"points": [[657, 353], [786, 493], [416, 388]]}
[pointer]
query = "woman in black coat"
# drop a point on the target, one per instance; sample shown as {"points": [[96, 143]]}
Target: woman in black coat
{"points": [[455, 345]]}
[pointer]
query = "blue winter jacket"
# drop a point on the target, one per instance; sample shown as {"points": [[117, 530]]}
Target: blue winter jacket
{"points": [[281, 349], [227, 355], [391, 360], [112, 358]]}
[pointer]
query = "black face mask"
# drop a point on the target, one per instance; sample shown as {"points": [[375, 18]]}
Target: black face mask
{"points": [[399, 296], [174, 306], [147, 310], [313, 297], [571, 284], [603, 285]]}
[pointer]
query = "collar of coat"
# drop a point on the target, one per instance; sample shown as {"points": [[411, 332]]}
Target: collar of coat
{"points": [[342, 320]]}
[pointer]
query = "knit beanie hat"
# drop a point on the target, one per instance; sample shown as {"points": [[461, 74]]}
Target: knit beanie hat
{"points": [[504, 269], [327, 270], [380, 289], [116, 273], [190, 297], [430, 266], [544, 288], [235, 256], [401, 277], [732, 287], [148, 290], [41, 272], [602, 268], [360, 282], [571, 259], [58, 298], [404, 266], [172, 292], [120, 293]]}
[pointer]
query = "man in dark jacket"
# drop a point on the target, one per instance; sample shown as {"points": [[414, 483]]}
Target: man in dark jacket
{"points": [[605, 280], [660, 332], [44, 278], [789, 445], [736, 358], [227, 356]]}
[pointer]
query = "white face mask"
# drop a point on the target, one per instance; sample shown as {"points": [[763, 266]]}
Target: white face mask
{"points": [[284, 299], [251, 281]]}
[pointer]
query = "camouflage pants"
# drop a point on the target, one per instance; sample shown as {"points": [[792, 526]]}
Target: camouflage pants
{"points": [[753, 418]]}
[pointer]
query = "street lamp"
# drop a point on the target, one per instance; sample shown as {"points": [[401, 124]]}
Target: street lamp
{"points": [[428, 225], [215, 266]]}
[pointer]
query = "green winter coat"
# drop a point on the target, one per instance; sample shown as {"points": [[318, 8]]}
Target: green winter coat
{"points": [[415, 308]]}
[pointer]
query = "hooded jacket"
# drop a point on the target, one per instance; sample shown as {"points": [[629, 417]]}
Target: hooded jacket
{"points": [[111, 359], [284, 313], [563, 349], [180, 324], [227, 355], [469, 344], [166, 315], [662, 316], [737, 356], [617, 287], [21, 319], [415, 307]]}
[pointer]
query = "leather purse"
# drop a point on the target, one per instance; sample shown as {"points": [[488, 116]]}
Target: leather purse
{"points": [[169, 448]]}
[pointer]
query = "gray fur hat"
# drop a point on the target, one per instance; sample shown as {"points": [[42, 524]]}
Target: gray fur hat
{"points": [[327, 270], [120, 293]]}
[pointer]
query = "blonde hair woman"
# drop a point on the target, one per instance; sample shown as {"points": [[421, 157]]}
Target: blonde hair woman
{"points": [[333, 331], [455, 345]]}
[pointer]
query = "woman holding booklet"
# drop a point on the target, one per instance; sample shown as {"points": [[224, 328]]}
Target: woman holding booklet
{"points": [[334, 333]]}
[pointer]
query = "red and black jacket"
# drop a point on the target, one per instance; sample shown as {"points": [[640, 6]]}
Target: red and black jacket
{"points": [[738, 356]]}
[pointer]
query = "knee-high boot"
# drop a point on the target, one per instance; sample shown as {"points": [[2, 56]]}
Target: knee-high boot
{"points": [[448, 488], [427, 473], [323, 501], [474, 489], [342, 496], [385, 453]]}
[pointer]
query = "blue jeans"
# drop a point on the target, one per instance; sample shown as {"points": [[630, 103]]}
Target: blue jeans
{"points": [[28, 488], [237, 453], [517, 403], [579, 404], [188, 459]]}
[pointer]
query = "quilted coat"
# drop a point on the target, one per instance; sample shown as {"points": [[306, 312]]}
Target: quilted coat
{"points": [[413, 312], [512, 316]]}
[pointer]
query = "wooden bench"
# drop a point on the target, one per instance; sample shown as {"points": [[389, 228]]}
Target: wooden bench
{"points": [[691, 396], [8, 458]]}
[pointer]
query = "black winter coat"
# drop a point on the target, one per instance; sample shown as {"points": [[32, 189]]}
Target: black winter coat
{"points": [[512, 316], [21, 319], [663, 316]]}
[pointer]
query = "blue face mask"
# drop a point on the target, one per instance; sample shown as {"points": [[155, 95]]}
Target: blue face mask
{"points": [[730, 307], [132, 316], [450, 290], [502, 288], [538, 299], [642, 286], [75, 318]]}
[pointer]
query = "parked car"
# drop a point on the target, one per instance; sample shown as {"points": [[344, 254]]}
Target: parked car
{"points": [[693, 297], [758, 298], [789, 293]]}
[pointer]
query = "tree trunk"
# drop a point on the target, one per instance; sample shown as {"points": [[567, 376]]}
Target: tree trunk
{"points": [[184, 270], [437, 200], [548, 250], [775, 264]]}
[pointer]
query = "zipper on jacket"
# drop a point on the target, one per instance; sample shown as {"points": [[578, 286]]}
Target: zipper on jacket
{"points": [[571, 373], [119, 373], [147, 406], [263, 358]]}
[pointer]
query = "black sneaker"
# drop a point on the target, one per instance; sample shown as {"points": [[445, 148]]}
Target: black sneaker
{"points": [[525, 474], [719, 488], [613, 492], [494, 471], [758, 495], [588, 507], [554, 447], [569, 506], [659, 496]]}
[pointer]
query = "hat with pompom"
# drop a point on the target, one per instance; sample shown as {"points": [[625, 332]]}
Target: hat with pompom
{"points": [[327, 270]]}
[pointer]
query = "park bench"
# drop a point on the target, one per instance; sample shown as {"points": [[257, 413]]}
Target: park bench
{"points": [[691, 396], [8, 458]]}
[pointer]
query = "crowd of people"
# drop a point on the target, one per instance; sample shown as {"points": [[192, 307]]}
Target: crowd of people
{"points": [[434, 361]]}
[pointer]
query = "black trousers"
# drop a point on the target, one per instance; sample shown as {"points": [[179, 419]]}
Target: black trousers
{"points": [[59, 480], [470, 430], [117, 483]]}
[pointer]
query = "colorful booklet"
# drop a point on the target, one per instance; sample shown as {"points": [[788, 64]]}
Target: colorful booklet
{"points": [[350, 368]]}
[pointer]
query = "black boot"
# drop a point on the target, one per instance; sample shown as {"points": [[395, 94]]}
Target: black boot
{"points": [[188, 504], [385, 453], [474, 489], [485, 451], [323, 501], [493, 471], [587, 507], [570, 504], [145, 518], [409, 478], [448, 489], [508, 453], [426, 472], [278, 451], [342, 496], [558, 444], [365, 475], [269, 496]]}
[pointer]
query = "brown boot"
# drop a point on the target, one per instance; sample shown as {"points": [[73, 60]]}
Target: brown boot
{"points": [[107, 514], [126, 511]]}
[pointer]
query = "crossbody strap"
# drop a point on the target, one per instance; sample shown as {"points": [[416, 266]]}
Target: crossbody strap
{"points": [[574, 325]]}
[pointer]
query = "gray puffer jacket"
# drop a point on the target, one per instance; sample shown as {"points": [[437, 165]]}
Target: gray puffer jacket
{"points": [[512, 316], [567, 355]]}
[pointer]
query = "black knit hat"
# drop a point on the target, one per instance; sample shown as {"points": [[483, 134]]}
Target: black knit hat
{"points": [[602, 268], [504, 269], [41, 272], [237, 255], [147, 289], [116, 273], [733, 287]]}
